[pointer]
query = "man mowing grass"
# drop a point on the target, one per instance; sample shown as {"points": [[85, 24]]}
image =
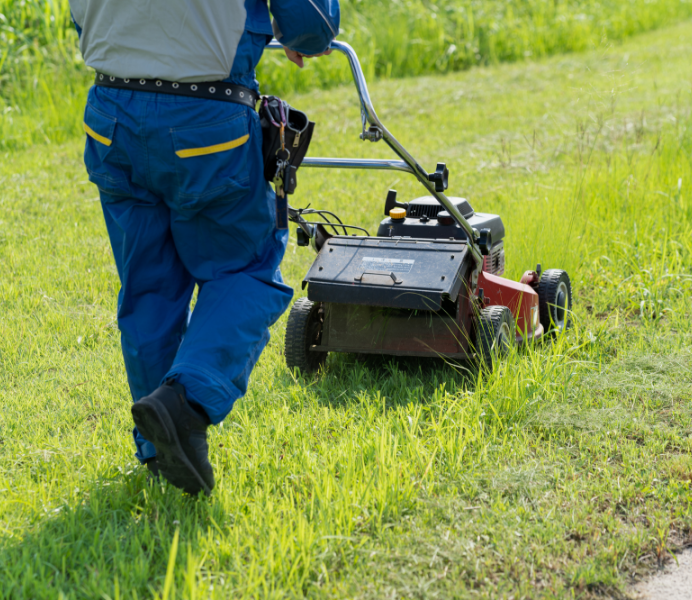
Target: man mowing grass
{"points": [[174, 146]]}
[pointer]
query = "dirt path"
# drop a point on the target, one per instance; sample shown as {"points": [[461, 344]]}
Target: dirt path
{"points": [[673, 583]]}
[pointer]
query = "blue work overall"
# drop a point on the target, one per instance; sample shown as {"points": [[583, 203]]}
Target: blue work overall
{"points": [[185, 203], [182, 187]]}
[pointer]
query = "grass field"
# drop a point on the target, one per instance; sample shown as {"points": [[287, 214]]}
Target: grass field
{"points": [[565, 473], [43, 78]]}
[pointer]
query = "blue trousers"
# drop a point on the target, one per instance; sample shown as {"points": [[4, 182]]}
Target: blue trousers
{"points": [[185, 203]]}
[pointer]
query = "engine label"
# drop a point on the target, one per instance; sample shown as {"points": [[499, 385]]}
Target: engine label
{"points": [[389, 265]]}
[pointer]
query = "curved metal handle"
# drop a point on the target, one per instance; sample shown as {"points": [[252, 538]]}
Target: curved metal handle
{"points": [[370, 117], [357, 163]]}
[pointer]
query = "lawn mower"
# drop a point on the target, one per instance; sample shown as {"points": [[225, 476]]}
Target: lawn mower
{"points": [[430, 282]]}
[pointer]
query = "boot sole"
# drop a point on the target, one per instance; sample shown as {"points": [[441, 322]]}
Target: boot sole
{"points": [[155, 424]]}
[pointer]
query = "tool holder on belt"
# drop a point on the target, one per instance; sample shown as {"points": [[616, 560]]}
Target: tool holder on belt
{"points": [[286, 135]]}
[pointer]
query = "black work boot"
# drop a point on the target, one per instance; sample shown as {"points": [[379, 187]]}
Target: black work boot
{"points": [[179, 434], [152, 465]]}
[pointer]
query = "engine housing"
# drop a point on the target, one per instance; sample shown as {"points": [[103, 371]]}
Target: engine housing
{"points": [[421, 223]]}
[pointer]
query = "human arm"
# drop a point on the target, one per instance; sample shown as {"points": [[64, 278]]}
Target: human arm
{"points": [[305, 27], [297, 57]]}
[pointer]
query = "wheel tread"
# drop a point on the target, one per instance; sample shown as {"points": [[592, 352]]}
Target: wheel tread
{"points": [[489, 323], [547, 288], [296, 349]]}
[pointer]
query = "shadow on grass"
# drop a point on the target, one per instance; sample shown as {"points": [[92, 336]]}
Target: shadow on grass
{"points": [[399, 380], [117, 537]]}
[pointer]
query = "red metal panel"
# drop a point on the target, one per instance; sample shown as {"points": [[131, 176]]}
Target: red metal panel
{"points": [[521, 299]]}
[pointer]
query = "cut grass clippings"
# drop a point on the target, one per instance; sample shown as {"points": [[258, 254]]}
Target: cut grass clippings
{"points": [[564, 473]]}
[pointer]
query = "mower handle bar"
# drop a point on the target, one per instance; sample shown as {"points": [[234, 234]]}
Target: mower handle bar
{"points": [[357, 163], [376, 131]]}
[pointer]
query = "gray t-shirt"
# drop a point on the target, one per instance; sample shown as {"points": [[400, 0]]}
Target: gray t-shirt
{"points": [[175, 40]]}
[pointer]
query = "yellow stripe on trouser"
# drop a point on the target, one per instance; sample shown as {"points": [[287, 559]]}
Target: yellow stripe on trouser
{"points": [[96, 136], [213, 149]]}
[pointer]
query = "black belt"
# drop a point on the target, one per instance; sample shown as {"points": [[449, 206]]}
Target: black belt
{"points": [[216, 90]]}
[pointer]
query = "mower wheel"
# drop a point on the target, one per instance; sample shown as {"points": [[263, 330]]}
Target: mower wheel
{"points": [[555, 300], [496, 333], [304, 330]]}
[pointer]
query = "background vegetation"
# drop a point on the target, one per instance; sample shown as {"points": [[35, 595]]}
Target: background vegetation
{"points": [[563, 474], [43, 79]]}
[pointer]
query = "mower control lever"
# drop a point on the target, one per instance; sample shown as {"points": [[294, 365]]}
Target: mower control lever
{"points": [[391, 203], [440, 177]]}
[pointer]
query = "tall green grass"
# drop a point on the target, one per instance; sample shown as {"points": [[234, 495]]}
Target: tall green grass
{"points": [[413, 37], [42, 76]]}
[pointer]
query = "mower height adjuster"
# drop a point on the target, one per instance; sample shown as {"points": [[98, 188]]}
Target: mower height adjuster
{"points": [[440, 177]]}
